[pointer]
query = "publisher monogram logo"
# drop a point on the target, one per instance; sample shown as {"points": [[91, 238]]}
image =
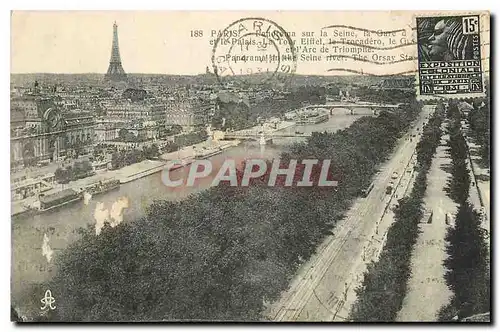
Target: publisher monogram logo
{"points": [[48, 301]]}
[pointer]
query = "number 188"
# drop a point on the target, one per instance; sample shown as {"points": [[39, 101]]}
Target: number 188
{"points": [[196, 33]]}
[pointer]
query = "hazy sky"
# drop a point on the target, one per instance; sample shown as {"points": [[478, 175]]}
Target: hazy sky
{"points": [[160, 42]]}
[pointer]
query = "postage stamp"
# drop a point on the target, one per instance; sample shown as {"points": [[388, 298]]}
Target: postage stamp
{"points": [[450, 59], [254, 51]]}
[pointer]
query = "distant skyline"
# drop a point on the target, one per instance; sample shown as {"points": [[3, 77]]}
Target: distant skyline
{"points": [[80, 42], [159, 42]]}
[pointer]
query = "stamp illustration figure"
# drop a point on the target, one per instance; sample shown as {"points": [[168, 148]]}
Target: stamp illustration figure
{"points": [[443, 39]]}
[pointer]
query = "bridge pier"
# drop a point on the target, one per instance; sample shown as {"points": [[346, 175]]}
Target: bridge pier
{"points": [[264, 140]]}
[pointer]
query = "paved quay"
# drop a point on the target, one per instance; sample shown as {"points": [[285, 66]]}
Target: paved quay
{"points": [[427, 290], [480, 188]]}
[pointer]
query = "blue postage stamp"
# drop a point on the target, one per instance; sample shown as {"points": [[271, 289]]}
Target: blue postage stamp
{"points": [[450, 59]]}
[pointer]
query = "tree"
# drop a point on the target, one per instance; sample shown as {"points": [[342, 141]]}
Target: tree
{"points": [[170, 147], [479, 120], [151, 152], [123, 134], [468, 262], [458, 185], [191, 138], [117, 160], [81, 169], [61, 175], [174, 130]]}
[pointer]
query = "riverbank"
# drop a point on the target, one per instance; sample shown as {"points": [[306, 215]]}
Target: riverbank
{"points": [[132, 172]]}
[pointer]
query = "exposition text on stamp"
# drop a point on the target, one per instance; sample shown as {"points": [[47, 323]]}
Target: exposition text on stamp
{"points": [[450, 55]]}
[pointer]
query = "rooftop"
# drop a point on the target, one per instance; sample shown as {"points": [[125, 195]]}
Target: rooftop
{"points": [[73, 114]]}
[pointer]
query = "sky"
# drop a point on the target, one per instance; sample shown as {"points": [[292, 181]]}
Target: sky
{"points": [[160, 42]]}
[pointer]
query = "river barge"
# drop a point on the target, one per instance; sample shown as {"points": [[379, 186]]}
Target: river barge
{"points": [[62, 198], [313, 119], [102, 187]]}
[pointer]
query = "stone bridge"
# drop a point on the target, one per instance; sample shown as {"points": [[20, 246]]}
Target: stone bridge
{"points": [[375, 107], [265, 135]]}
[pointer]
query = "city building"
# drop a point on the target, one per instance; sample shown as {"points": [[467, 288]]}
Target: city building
{"points": [[106, 130], [128, 111], [42, 132], [144, 120], [79, 127], [189, 113]]}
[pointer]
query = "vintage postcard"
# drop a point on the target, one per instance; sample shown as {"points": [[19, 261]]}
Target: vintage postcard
{"points": [[244, 166]]}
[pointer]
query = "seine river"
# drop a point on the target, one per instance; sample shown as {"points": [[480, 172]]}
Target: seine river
{"points": [[59, 227]]}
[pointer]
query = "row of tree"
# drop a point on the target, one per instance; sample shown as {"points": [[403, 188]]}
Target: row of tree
{"points": [[459, 184], [121, 159], [100, 151], [468, 274], [125, 135], [79, 170], [224, 252], [191, 138], [382, 95], [479, 120], [380, 296], [169, 147], [173, 130]]}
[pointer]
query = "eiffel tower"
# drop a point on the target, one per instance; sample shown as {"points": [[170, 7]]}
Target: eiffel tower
{"points": [[115, 69]]}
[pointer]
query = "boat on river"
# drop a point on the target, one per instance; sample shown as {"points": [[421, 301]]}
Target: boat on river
{"points": [[103, 187], [312, 119], [61, 198]]}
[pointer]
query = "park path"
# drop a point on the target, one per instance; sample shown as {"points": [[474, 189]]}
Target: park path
{"points": [[480, 187], [427, 290]]}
